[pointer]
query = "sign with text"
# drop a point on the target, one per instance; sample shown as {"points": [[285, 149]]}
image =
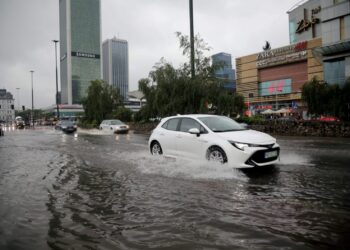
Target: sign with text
{"points": [[276, 87], [283, 55], [86, 55]]}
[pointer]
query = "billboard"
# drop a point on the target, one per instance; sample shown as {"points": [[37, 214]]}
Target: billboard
{"points": [[276, 87]]}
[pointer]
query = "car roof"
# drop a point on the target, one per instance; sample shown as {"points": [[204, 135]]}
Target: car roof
{"points": [[191, 116]]}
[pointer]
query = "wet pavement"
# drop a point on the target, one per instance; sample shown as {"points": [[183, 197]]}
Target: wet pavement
{"points": [[105, 191]]}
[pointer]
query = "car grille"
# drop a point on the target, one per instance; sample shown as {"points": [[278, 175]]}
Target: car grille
{"points": [[259, 156]]}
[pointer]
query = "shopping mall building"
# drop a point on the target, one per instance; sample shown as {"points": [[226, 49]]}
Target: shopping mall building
{"points": [[319, 32]]}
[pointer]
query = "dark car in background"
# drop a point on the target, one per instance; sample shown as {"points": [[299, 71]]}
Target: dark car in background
{"points": [[68, 126]]}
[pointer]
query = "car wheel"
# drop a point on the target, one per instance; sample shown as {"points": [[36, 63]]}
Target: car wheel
{"points": [[216, 154], [156, 149]]}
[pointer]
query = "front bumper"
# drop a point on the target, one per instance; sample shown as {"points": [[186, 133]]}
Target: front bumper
{"points": [[255, 157]]}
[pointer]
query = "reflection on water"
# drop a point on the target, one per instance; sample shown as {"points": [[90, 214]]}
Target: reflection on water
{"points": [[107, 192]]}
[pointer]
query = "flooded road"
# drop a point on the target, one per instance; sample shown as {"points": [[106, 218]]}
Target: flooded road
{"points": [[94, 191]]}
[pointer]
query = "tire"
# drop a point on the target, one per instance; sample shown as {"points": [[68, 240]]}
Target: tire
{"points": [[156, 149], [216, 154]]}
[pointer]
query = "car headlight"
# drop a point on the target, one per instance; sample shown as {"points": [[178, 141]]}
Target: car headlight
{"points": [[239, 145]]}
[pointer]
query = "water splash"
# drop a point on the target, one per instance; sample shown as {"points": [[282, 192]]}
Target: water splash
{"points": [[295, 159], [180, 168]]}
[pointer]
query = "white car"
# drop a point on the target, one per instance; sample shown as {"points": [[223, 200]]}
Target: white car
{"points": [[114, 125], [215, 138]]}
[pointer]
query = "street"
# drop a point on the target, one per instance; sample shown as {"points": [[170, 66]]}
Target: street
{"points": [[104, 191]]}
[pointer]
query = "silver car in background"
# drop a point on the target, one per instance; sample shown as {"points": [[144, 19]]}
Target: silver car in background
{"points": [[116, 126]]}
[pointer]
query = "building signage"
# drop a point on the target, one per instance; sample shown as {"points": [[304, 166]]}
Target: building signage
{"points": [[276, 87], [305, 23], [86, 55], [286, 54]]}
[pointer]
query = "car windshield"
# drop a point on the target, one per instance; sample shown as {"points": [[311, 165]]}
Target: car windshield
{"points": [[221, 124], [116, 122], [66, 122]]}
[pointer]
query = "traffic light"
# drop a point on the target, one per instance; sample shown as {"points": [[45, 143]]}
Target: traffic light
{"points": [[23, 108], [12, 106]]}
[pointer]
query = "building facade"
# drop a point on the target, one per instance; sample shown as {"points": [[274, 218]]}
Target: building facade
{"points": [[116, 64], [272, 79], [7, 107], [319, 32], [225, 71], [330, 21], [80, 47]]}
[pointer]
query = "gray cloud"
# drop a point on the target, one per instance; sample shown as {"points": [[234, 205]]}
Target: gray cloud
{"points": [[236, 27]]}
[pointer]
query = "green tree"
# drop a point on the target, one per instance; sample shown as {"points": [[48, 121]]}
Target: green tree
{"points": [[324, 99], [169, 90], [101, 100], [123, 114]]}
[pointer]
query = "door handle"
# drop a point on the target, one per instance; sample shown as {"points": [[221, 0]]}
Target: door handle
{"points": [[161, 134], [178, 136]]}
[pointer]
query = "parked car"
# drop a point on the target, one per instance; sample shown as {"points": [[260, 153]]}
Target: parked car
{"points": [[215, 138], [68, 126], [116, 126]]}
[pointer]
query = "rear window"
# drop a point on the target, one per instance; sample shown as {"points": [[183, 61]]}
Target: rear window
{"points": [[171, 124]]}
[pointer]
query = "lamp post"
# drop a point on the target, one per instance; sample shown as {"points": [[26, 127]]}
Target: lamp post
{"points": [[57, 108], [192, 40], [32, 113]]}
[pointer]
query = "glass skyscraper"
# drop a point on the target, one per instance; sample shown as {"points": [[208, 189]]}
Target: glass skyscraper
{"points": [[116, 64], [225, 71], [80, 47]]}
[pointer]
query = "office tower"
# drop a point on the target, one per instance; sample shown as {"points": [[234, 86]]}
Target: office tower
{"points": [[80, 47], [116, 64], [225, 71]]}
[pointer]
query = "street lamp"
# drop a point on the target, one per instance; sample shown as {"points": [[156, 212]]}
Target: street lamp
{"points": [[192, 39], [57, 108], [32, 71]]}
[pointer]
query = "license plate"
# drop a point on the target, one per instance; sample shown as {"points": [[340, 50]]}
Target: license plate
{"points": [[270, 154]]}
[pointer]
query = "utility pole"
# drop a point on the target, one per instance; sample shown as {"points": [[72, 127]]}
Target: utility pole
{"points": [[57, 108], [192, 40], [32, 71]]}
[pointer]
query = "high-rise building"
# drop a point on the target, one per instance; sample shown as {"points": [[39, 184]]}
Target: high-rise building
{"points": [[7, 106], [330, 21], [80, 47], [225, 71], [116, 64]]}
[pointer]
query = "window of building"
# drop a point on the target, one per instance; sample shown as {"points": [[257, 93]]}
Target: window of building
{"points": [[334, 71]]}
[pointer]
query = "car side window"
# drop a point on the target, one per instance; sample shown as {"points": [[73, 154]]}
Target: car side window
{"points": [[187, 124], [172, 124]]}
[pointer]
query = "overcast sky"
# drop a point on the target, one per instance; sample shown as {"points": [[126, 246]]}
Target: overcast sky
{"points": [[233, 26]]}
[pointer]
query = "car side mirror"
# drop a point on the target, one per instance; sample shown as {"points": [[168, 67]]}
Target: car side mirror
{"points": [[194, 131]]}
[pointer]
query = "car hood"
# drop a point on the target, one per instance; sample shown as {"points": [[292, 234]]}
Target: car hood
{"points": [[248, 136]]}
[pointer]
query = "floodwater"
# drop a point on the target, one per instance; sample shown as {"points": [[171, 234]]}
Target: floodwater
{"points": [[104, 191]]}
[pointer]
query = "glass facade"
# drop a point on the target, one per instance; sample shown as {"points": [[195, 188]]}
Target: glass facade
{"points": [[225, 71], [334, 71], [80, 36], [116, 64]]}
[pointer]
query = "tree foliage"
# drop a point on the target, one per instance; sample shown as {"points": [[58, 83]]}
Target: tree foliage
{"points": [[101, 100], [325, 99], [169, 90]]}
